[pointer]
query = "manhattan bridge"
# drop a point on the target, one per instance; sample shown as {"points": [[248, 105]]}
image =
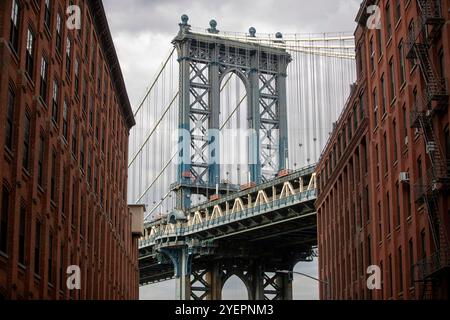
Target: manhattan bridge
{"points": [[223, 156]]}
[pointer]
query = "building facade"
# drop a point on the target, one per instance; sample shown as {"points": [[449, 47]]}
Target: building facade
{"points": [[383, 200], [65, 120]]}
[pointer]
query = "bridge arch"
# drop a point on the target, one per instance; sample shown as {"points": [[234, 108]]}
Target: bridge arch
{"points": [[241, 286], [235, 129], [238, 72]]}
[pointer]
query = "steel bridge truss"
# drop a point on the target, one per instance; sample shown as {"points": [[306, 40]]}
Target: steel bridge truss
{"points": [[251, 233], [205, 61]]}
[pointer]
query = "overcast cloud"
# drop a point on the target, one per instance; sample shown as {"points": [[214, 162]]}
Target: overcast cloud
{"points": [[142, 31]]}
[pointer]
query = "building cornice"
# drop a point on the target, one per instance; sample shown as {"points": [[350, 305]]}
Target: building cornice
{"points": [[102, 28]]}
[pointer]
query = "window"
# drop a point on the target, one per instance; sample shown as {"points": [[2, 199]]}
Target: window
{"points": [[367, 203], [61, 267], [411, 35], [366, 168], [14, 30], [29, 55], [391, 289], [77, 77], [68, 59], [379, 222], [50, 258], [392, 78], [394, 132], [388, 211], [400, 269], [379, 44], [401, 55], [74, 204], [53, 178], [4, 220], [55, 99], [419, 169], [382, 279], [355, 119], [103, 139], [84, 95], [386, 164], [398, 11], [408, 200], [37, 248], [378, 163], [423, 244], [97, 127], [9, 120], [361, 106], [361, 258], [375, 110], [63, 192], [383, 94], [447, 143], [91, 112], [43, 90], [441, 63], [65, 120], [411, 262], [372, 55], [89, 170], [397, 195], [405, 124], [82, 152], [26, 143], [82, 216], [74, 137], [93, 59], [58, 33], [388, 22], [349, 129], [22, 230], [47, 13], [40, 172]]}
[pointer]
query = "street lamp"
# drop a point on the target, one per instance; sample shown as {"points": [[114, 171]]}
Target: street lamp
{"points": [[327, 284]]}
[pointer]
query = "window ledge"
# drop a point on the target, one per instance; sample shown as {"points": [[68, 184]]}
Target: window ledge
{"points": [[403, 86], [8, 154]]}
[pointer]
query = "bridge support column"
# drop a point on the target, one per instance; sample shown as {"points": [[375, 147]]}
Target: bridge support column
{"points": [[214, 279], [284, 284], [257, 282], [182, 261], [183, 286]]}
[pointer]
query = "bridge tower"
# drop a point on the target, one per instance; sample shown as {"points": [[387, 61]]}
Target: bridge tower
{"points": [[205, 59], [204, 62]]}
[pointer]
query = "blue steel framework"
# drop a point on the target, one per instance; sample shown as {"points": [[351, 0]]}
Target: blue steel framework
{"points": [[204, 61]]}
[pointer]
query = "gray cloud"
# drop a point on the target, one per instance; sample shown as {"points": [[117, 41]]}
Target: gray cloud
{"points": [[142, 29]]}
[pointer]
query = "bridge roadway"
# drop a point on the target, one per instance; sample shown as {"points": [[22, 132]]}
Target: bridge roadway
{"points": [[250, 233]]}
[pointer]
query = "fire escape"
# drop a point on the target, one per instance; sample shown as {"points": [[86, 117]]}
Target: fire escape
{"points": [[421, 38]]}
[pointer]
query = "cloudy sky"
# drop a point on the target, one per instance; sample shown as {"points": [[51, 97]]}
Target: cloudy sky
{"points": [[142, 31]]}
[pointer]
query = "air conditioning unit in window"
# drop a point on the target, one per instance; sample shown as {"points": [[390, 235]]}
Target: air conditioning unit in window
{"points": [[404, 177]]}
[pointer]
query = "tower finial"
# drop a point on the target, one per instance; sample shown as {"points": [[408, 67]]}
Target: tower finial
{"points": [[213, 25], [252, 32], [184, 26]]}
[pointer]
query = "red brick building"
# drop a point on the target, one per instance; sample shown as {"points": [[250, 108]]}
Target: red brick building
{"points": [[384, 177], [65, 119]]}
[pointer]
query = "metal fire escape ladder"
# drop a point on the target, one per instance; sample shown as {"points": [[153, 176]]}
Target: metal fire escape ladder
{"points": [[429, 25], [431, 12]]}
